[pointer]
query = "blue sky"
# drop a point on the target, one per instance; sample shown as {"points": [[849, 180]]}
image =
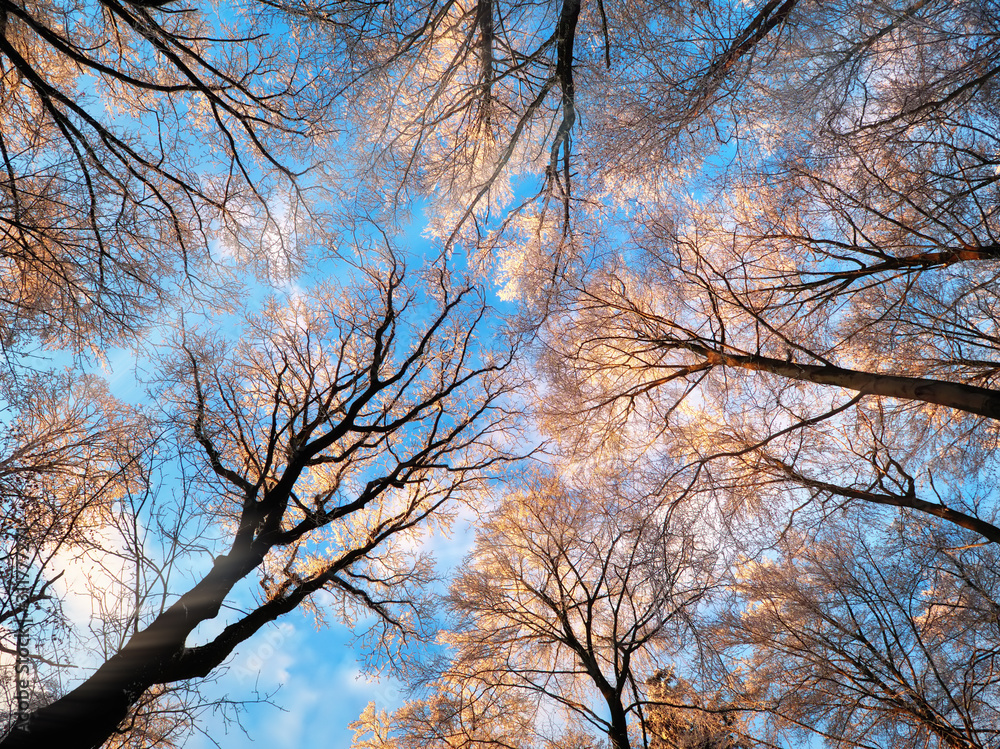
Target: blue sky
{"points": [[313, 676]]}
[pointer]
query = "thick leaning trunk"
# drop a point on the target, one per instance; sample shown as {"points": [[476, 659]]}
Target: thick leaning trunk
{"points": [[969, 398], [85, 717]]}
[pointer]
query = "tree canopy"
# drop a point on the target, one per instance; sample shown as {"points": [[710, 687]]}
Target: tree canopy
{"points": [[701, 327]]}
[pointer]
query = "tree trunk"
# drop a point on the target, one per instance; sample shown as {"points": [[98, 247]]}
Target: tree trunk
{"points": [[86, 716], [618, 734], [969, 398]]}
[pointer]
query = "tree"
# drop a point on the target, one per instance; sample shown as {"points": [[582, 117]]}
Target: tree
{"points": [[134, 134], [465, 103], [454, 718], [569, 597], [874, 636], [69, 454], [820, 321], [134, 137], [335, 428]]}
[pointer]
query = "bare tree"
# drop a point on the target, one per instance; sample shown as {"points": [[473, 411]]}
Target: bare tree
{"points": [[457, 718], [572, 107], [332, 430], [819, 324], [569, 597], [69, 452], [873, 636], [133, 134]]}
